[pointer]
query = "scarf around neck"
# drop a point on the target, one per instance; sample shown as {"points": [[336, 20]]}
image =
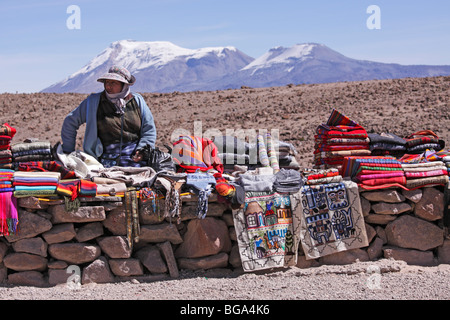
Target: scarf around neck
{"points": [[118, 99]]}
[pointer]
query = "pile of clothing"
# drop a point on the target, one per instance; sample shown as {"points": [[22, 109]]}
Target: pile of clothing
{"points": [[424, 140], [6, 134], [30, 150], [374, 172], [386, 144], [338, 138]]}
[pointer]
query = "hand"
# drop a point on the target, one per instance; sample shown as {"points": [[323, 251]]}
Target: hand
{"points": [[137, 156]]}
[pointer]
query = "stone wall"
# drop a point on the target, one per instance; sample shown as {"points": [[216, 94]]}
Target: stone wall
{"points": [[54, 244]]}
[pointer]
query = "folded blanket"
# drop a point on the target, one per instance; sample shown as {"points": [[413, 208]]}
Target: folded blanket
{"points": [[325, 140], [423, 174], [384, 181], [5, 140], [421, 182], [325, 180], [363, 177], [24, 146], [386, 138], [52, 166]]}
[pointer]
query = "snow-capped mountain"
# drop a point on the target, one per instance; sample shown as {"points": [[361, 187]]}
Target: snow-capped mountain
{"points": [[165, 67], [158, 67], [316, 63]]}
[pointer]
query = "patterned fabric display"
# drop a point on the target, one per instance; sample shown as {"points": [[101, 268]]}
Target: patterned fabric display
{"points": [[331, 219], [267, 237]]}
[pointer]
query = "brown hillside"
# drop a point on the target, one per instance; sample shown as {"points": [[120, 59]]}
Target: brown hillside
{"points": [[401, 106]]}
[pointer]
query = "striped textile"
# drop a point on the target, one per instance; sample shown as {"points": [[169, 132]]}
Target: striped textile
{"points": [[191, 153], [7, 130], [8, 214], [336, 118], [262, 152]]}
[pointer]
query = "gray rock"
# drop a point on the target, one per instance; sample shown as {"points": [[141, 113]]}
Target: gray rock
{"points": [[97, 271], [82, 214], [431, 205], [30, 225], [381, 219], [215, 261], [443, 252], [115, 246], [150, 257], [28, 278], [59, 233], [167, 252], [391, 208], [414, 233], [116, 222], [126, 267], [204, 237], [33, 245], [413, 195], [375, 249], [345, 257], [410, 256], [25, 262], [388, 195], [89, 231], [160, 233], [74, 253]]}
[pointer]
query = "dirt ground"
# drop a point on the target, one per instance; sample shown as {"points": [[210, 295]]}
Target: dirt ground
{"points": [[401, 106], [380, 280]]}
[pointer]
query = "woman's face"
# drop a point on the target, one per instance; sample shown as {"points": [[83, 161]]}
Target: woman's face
{"points": [[113, 86]]}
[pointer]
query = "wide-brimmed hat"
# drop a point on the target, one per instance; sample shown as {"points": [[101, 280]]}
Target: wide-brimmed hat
{"points": [[119, 74]]}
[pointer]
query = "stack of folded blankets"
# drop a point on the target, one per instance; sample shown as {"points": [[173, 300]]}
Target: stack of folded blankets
{"points": [[338, 138], [425, 174], [424, 140], [6, 134], [264, 151], [31, 151], [374, 172], [321, 176], [35, 183], [386, 144]]}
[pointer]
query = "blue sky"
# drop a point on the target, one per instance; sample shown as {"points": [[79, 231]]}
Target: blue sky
{"points": [[37, 48]]}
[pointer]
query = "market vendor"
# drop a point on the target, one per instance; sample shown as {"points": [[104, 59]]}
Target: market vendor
{"points": [[119, 124]]}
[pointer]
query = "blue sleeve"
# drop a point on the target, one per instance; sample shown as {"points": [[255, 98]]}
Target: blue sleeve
{"points": [[148, 128], [70, 127]]}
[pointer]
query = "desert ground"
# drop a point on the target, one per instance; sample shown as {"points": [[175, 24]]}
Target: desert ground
{"points": [[400, 106]]}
